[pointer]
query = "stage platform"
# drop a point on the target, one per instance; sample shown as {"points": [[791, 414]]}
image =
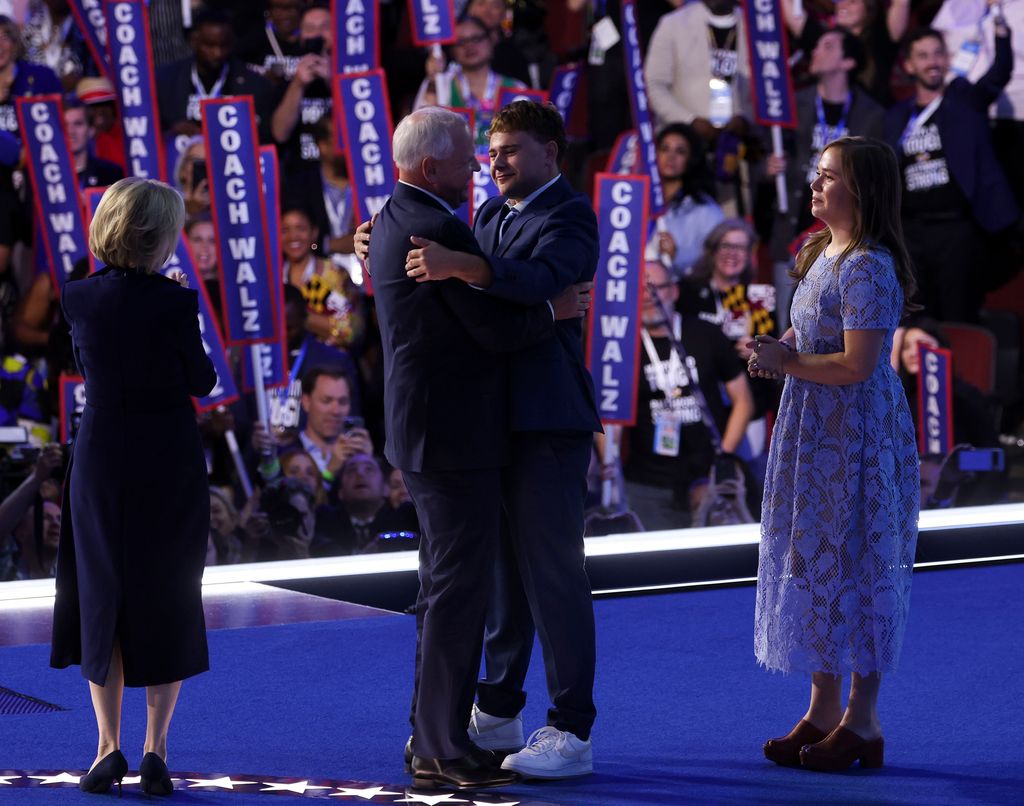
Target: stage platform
{"points": [[307, 696]]}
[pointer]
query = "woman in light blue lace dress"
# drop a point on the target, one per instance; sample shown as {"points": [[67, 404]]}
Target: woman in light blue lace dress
{"points": [[839, 520]]}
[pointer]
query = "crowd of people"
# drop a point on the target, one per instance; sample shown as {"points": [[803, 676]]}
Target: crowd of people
{"points": [[947, 98]]}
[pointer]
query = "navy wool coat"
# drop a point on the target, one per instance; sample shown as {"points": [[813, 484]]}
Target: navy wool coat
{"points": [[136, 500]]}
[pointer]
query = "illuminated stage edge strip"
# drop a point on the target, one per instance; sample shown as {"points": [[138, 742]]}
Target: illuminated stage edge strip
{"points": [[233, 579]]}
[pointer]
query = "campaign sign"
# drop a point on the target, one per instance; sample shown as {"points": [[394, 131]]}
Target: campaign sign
{"points": [[174, 147], [565, 82], [131, 61], [637, 88], [433, 22], [771, 83], [54, 183], [356, 35], [224, 391], [240, 220], [934, 400], [274, 356], [483, 184], [72, 401], [507, 95], [92, 201], [362, 104], [625, 154], [92, 22], [613, 340]]}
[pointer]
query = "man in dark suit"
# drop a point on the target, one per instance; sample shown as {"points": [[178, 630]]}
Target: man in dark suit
{"points": [[541, 238], [955, 195], [446, 393]]}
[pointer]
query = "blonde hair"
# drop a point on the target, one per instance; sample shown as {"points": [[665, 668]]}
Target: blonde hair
{"points": [[137, 224]]}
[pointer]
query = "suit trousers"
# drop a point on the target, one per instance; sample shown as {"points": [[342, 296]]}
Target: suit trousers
{"points": [[541, 584], [460, 517]]}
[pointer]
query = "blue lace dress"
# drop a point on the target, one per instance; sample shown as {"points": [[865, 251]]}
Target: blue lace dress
{"points": [[839, 520]]}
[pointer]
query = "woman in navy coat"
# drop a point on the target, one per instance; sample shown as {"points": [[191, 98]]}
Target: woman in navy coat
{"points": [[136, 502]]}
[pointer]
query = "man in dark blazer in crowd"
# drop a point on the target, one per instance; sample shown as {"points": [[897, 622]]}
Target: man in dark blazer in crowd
{"points": [[541, 238], [446, 399], [955, 194]]}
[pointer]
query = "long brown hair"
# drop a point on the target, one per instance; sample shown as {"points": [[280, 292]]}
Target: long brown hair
{"points": [[871, 173]]}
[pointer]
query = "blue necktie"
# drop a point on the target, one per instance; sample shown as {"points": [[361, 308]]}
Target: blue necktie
{"points": [[508, 219]]}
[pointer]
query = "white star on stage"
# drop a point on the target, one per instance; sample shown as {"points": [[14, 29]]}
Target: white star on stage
{"points": [[5, 780], [221, 783], [430, 800], [63, 778], [366, 794], [131, 779], [299, 787]]}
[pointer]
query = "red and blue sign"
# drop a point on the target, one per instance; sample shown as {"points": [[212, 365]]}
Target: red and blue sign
{"points": [[565, 83], [625, 154], [771, 82], [361, 102], [934, 400], [224, 391], [240, 220], [92, 201], [483, 184], [273, 358], [637, 87], [54, 183], [71, 391], [507, 95], [433, 22], [613, 343], [356, 35], [131, 62], [92, 22]]}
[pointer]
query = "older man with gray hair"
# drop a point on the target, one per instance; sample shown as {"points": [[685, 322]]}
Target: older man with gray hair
{"points": [[447, 424]]}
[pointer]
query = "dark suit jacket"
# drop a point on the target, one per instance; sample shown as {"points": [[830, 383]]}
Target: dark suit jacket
{"points": [[445, 378], [136, 502], [547, 248], [962, 119]]}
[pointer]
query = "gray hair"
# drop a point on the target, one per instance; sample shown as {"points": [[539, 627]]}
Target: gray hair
{"points": [[137, 224], [427, 132]]}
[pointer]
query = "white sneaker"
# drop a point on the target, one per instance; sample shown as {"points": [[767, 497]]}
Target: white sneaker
{"points": [[496, 732], [551, 753]]}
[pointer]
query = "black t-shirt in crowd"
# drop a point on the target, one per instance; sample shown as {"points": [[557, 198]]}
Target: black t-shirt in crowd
{"points": [[258, 52], [928, 189], [300, 150], [714, 359], [723, 51]]}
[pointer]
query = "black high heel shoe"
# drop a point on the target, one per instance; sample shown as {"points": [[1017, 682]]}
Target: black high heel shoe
{"points": [[155, 780], [109, 770]]}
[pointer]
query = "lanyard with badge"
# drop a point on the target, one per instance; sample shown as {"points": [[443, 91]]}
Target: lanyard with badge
{"points": [[967, 54], [721, 108], [825, 134], [337, 203], [201, 93], [668, 424], [484, 104]]}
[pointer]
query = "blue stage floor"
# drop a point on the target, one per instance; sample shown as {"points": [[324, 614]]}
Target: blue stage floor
{"points": [[683, 710]]}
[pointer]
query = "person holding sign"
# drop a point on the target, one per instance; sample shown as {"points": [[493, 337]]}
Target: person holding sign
{"points": [[839, 518], [136, 522]]}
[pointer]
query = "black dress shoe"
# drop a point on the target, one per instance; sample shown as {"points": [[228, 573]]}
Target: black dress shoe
{"points": [[487, 758], [154, 777], [108, 771], [467, 772]]}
